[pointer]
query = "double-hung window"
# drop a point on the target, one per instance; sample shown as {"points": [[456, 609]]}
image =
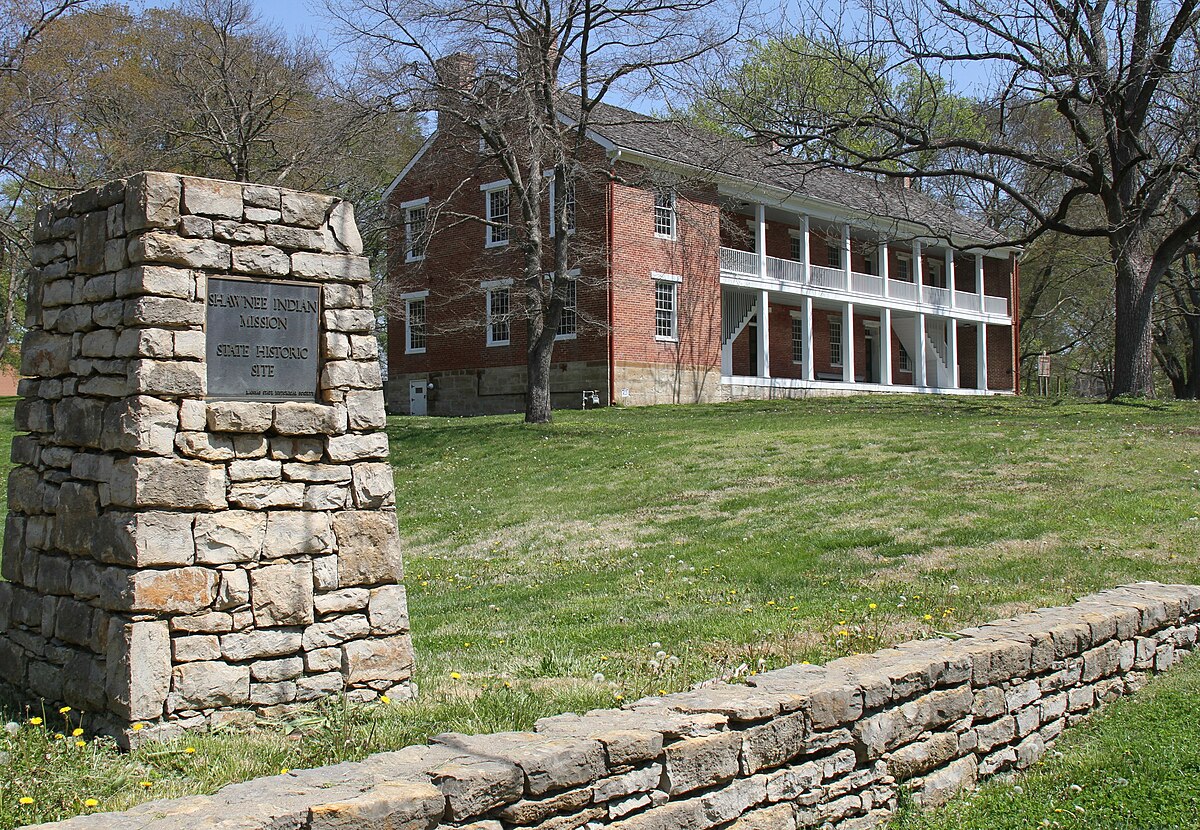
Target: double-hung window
{"points": [[666, 307], [499, 319], [752, 235], [905, 360], [416, 215], [568, 207], [903, 268], [934, 273], [664, 213], [797, 249], [797, 340], [495, 204], [414, 322], [568, 323], [833, 253], [835, 342]]}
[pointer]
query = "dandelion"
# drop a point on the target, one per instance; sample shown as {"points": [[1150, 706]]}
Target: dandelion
{"points": [[385, 700], [64, 710], [872, 606], [145, 785], [928, 617], [81, 743], [36, 721], [598, 677], [76, 733], [284, 771], [91, 802], [25, 800], [191, 750], [455, 676], [138, 727]]}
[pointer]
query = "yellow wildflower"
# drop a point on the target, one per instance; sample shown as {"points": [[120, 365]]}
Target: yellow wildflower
{"points": [[455, 676], [284, 771], [36, 721], [138, 727], [64, 710], [91, 802], [872, 606], [145, 784], [191, 750], [81, 743], [384, 699], [25, 800], [76, 732]]}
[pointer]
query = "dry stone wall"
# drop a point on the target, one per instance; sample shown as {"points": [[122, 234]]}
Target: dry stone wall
{"points": [[175, 560], [800, 747]]}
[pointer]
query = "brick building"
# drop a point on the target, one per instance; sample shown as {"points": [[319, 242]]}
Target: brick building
{"points": [[710, 269]]}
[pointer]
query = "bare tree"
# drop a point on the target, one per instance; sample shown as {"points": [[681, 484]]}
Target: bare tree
{"points": [[1114, 83], [526, 79]]}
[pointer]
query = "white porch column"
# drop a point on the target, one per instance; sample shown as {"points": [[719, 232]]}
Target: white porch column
{"points": [[804, 233], [846, 254], [807, 345], [952, 350], [885, 346], [760, 239], [919, 357], [949, 270], [848, 343], [883, 265], [981, 368], [764, 339], [918, 270], [979, 278]]}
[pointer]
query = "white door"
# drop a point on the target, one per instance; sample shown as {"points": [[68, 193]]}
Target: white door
{"points": [[416, 397]]}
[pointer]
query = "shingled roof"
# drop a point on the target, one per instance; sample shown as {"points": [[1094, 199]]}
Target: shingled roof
{"points": [[688, 144]]}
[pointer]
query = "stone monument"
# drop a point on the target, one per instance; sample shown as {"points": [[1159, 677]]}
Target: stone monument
{"points": [[201, 515]]}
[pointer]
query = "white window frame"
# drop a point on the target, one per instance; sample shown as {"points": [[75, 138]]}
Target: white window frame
{"points": [[490, 239], [491, 287], [904, 270], [904, 360], [797, 338], [572, 282], [673, 281], [835, 342], [409, 299], [669, 212], [409, 241], [833, 250], [796, 245], [571, 205]]}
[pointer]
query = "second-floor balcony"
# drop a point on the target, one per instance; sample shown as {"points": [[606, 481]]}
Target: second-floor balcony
{"points": [[856, 284]]}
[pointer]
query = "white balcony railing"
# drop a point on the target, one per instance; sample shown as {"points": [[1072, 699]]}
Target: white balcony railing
{"points": [[937, 296], [739, 262], [995, 305], [746, 263], [902, 290]]}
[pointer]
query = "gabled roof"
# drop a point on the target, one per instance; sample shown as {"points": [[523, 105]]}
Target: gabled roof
{"points": [[683, 143]]}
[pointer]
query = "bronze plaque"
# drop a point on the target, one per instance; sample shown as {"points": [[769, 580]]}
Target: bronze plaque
{"points": [[263, 339]]}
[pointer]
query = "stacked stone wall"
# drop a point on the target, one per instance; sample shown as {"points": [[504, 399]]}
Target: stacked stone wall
{"points": [[804, 746], [172, 557]]}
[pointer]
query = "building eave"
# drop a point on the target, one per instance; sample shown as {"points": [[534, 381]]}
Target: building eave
{"points": [[425, 145]]}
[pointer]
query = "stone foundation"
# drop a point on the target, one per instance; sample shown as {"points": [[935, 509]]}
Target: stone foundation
{"points": [[175, 560], [498, 390], [805, 746]]}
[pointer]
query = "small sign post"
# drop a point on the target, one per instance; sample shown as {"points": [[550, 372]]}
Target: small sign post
{"points": [[1044, 375]]}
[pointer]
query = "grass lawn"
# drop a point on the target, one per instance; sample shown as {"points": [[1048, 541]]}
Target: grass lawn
{"points": [[621, 552]]}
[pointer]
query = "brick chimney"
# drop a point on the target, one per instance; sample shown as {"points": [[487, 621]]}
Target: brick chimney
{"points": [[453, 75]]}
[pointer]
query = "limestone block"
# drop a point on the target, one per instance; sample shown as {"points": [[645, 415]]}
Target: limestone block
{"points": [[989, 703], [196, 226], [138, 667], [307, 450], [211, 622], [922, 756], [229, 536], [304, 239], [209, 685], [254, 470], [374, 486], [151, 201], [176, 591], [260, 196], [368, 548], [44, 354], [326, 473], [342, 267], [210, 197], [944, 784], [325, 572], [295, 418], [282, 594], [1022, 695], [388, 609], [260, 495], [775, 742], [230, 231], [190, 344], [234, 590], [357, 447], [366, 409], [239, 416], [377, 658], [307, 210], [346, 375], [344, 228], [327, 497], [335, 346], [474, 786], [168, 378], [100, 343], [263, 215], [275, 671], [996, 733], [258, 645], [79, 422], [535, 811], [350, 320], [335, 632], [391, 805], [316, 686], [141, 481], [145, 539], [196, 647], [169, 249], [701, 762], [323, 660], [163, 311], [294, 532], [91, 234], [343, 601], [548, 763], [273, 694], [261, 259], [159, 280], [205, 446], [141, 424]]}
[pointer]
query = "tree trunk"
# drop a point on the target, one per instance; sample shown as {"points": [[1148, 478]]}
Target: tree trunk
{"points": [[537, 399], [1133, 370]]}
